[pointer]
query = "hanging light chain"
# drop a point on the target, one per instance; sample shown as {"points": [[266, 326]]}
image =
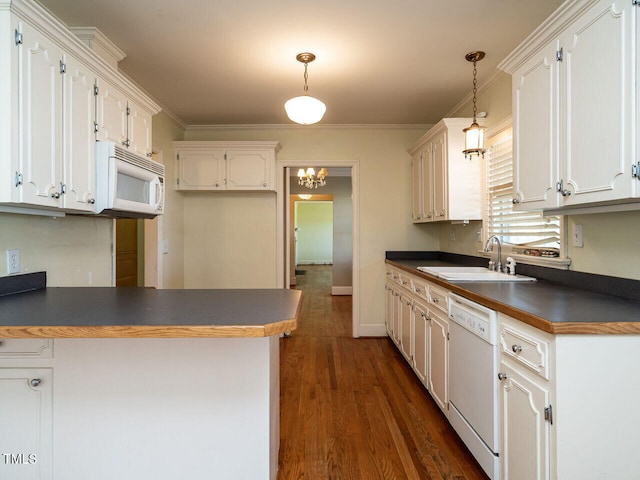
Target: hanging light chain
{"points": [[475, 88], [306, 77]]}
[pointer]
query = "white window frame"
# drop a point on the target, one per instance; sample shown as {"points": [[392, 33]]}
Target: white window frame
{"points": [[560, 262]]}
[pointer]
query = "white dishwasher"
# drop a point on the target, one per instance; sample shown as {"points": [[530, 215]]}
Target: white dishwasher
{"points": [[473, 380]]}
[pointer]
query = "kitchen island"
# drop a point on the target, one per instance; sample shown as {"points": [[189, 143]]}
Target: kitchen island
{"points": [[107, 383]]}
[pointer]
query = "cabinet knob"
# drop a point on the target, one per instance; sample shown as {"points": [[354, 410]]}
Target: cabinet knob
{"points": [[92, 201], [217, 184], [55, 195], [264, 184], [502, 376], [35, 382], [435, 300], [515, 201], [516, 348]]}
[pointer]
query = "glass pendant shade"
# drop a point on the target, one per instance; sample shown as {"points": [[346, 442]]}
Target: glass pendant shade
{"points": [[473, 140], [305, 110]]}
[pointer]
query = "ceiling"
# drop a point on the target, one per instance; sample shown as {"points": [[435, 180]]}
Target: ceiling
{"points": [[220, 62]]}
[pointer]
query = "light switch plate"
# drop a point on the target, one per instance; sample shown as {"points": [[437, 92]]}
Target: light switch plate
{"points": [[578, 241]]}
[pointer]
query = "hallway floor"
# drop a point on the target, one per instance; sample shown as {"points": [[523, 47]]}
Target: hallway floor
{"points": [[352, 409]]}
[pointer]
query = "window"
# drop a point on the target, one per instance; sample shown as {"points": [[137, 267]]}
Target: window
{"points": [[527, 233]]}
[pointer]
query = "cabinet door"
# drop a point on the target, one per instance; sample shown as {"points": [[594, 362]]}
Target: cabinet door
{"points": [[535, 127], [40, 113], [439, 359], [428, 213], [596, 103], [420, 342], [111, 114], [25, 416], [139, 130], [396, 317], [79, 136], [406, 332], [250, 169], [389, 307], [525, 432], [200, 169], [417, 189], [439, 180]]}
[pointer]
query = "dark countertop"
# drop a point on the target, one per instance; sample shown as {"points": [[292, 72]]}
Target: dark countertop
{"points": [[103, 312], [546, 305]]}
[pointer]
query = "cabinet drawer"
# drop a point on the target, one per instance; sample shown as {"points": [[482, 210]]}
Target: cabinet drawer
{"points": [[420, 289], [531, 352], [405, 282], [439, 299], [25, 348]]}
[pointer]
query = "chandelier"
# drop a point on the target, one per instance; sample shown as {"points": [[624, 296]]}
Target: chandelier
{"points": [[309, 179], [474, 134], [305, 109]]}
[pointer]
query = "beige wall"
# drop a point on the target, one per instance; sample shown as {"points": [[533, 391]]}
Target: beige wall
{"points": [[384, 201], [73, 250]]}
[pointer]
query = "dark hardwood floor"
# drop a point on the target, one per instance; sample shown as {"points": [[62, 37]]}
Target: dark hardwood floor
{"points": [[352, 409]]}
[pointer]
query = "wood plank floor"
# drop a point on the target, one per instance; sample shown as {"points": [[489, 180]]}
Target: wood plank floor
{"points": [[352, 409]]}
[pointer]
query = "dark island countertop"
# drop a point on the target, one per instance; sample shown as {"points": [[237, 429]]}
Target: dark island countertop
{"points": [[546, 305], [104, 312]]}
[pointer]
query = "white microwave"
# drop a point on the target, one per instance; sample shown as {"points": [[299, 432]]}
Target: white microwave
{"points": [[127, 185]]}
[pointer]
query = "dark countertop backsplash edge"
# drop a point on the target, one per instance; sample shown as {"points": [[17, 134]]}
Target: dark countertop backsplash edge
{"points": [[604, 284], [24, 282]]}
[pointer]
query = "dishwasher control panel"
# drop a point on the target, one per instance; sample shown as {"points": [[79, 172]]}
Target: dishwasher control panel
{"points": [[476, 318]]}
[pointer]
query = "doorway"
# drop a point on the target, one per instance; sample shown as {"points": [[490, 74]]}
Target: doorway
{"points": [[129, 264], [349, 241]]}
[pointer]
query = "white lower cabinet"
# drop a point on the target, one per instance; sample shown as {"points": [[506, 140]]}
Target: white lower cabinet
{"points": [[525, 432], [439, 359], [416, 321], [526, 412], [406, 330], [421, 342], [26, 408]]}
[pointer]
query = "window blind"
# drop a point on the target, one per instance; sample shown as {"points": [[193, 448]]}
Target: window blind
{"points": [[530, 231]]}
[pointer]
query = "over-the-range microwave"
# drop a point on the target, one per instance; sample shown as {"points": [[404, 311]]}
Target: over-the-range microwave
{"points": [[127, 185]]}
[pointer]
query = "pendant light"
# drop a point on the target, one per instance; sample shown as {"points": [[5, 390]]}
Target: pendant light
{"points": [[474, 134], [305, 110]]}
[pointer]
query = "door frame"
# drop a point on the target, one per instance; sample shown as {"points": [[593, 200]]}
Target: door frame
{"points": [[283, 227]]}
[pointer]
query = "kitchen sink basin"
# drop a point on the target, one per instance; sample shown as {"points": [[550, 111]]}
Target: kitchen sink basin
{"points": [[473, 274]]}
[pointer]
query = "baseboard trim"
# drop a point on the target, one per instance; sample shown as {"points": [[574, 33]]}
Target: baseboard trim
{"points": [[372, 331], [341, 290]]}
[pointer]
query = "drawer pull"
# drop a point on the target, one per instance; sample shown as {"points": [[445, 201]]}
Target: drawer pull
{"points": [[436, 300], [502, 376], [516, 349], [35, 382]]}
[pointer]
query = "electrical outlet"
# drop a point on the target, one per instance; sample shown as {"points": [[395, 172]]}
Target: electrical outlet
{"points": [[13, 261]]}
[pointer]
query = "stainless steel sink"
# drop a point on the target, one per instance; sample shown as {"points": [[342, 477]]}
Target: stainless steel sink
{"points": [[473, 274]]}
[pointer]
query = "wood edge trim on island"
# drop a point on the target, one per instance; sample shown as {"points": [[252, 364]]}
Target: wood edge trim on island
{"points": [[150, 331], [556, 328]]}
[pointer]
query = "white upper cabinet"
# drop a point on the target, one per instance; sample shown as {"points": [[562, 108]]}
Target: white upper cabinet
{"points": [[573, 109], [446, 186], [226, 165], [121, 120], [52, 113]]}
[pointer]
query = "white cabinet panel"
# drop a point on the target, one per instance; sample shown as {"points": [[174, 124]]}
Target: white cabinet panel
{"points": [[40, 114], [573, 90], [111, 114], [406, 330], [421, 342], [446, 186], [139, 130], [525, 442], [26, 419], [78, 144], [243, 166], [439, 359]]}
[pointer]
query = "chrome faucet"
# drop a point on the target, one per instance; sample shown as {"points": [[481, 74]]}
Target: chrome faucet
{"points": [[487, 249]]}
